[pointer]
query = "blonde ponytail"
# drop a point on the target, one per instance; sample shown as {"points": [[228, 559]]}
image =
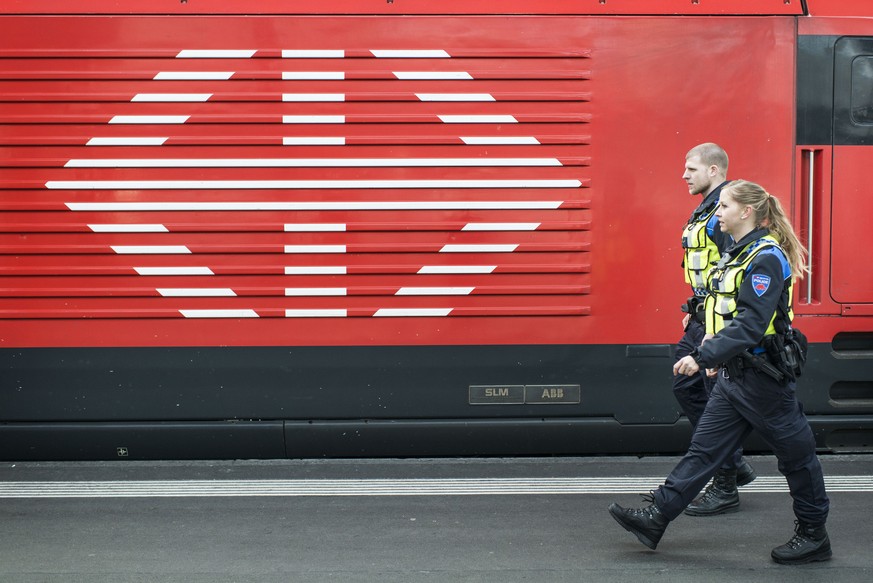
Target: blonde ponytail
{"points": [[769, 212]]}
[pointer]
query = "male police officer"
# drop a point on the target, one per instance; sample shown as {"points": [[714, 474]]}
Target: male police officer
{"points": [[703, 242]]}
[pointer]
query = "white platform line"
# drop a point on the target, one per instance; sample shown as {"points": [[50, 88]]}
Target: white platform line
{"points": [[383, 487]]}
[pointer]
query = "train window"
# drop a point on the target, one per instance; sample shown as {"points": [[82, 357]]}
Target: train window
{"points": [[862, 90], [853, 91]]}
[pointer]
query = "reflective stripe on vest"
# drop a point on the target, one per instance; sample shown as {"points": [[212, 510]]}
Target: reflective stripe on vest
{"points": [[725, 281], [700, 250]]}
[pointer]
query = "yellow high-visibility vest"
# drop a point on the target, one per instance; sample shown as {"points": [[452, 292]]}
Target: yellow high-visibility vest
{"points": [[726, 278], [701, 252]]}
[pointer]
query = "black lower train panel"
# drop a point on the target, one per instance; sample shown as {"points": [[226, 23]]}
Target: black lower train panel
{"points": [[268, 403], [398, 438]]}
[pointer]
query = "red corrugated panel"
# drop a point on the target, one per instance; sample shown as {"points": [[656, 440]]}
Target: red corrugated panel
{"points": [[840, 8], [398, 7], [217, 183]]}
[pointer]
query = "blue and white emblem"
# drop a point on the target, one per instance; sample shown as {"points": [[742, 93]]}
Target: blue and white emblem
{"points": [[760, 283]]}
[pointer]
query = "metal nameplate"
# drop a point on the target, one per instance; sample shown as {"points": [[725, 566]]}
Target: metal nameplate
{"points": [[496, 394], [552, 394], [525, 394]]}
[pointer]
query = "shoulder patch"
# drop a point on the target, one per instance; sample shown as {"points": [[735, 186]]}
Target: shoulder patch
{"points": [[760, 283]]}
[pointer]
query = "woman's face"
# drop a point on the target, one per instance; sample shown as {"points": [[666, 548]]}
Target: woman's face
{"points": [[731, 215]]}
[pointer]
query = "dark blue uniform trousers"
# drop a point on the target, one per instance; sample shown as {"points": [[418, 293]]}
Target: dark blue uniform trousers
{"points": [[735, 408], [692, 392]]}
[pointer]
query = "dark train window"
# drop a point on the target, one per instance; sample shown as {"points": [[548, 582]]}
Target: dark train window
{"points": [[862, 90], [853, 91]]}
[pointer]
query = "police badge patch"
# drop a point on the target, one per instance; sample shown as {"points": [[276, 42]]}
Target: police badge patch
{"points": [[760, 283]]}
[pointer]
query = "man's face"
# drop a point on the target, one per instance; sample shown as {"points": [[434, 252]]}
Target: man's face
{"points": [[698, 176]]}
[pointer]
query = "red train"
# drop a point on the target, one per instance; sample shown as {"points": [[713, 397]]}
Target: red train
{"points": [[405, 228]]}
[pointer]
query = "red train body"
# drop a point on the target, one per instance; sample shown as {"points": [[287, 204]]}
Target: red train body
{"points": [[228, 234]]}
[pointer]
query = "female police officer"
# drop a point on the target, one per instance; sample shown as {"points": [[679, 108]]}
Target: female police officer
{"points": [[748, 306]]}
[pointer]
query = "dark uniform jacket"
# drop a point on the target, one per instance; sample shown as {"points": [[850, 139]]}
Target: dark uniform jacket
{"points": [[756, 304]]}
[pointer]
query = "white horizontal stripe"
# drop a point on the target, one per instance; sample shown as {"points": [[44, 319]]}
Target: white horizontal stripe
{"points": [[314, 141], [315, 206], [410, 54], [313, 75], [314, 227], [313, 97], [179, 292], [171, 97], [315, 248], [149, 119], [407, 312], [477, 119], [305, 162], [219, 313], [501, 227], [454, 97], [325, 313], [381, 487], [315, 270], [193, 75], [126, 141], [215, 54], [313, 54], [173, 271], [478, 248], [150, 249], [302, 184], [315, 291], [313, 119], [457, 269], [432, 75], [435, 291], [128, 228], [489, 140], [385, 487]]}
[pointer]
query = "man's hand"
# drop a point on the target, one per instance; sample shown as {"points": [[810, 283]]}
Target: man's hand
{"points": [[687, 366]]}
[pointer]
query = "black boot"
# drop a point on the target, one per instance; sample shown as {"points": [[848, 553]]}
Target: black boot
{"points": [[809, 543], [648, 524], [745, 473], [719, 497]]}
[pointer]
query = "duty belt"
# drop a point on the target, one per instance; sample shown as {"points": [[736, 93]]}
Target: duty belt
{"points": [[744, 360], [694, 306]]}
